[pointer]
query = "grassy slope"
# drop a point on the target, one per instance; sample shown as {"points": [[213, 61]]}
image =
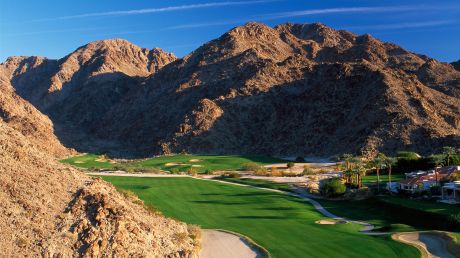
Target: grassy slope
{"points": [[211, 162], [442, 208], [284, 225], [373, 211]]}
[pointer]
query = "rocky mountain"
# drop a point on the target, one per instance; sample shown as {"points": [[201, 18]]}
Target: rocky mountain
{"points": [[295, 89], [77, 90], [48, 209], [292, 90]]}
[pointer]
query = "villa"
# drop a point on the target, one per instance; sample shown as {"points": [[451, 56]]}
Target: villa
{"points": [[424, 180]]}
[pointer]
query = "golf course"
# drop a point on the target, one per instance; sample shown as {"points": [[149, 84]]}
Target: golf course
{"points": [[284, 225], [173, 163]]}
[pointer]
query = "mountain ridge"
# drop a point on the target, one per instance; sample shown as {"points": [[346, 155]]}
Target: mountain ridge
{"points": [[232, 94]]}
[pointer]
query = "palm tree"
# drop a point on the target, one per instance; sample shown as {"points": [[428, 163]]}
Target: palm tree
{"points": [[378, 162], [389, 162], [347, 158], [448, 153], [438, 162]]}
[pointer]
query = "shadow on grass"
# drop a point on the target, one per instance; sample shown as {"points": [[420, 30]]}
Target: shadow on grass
{"points": [[222, 202], [260, 217]]}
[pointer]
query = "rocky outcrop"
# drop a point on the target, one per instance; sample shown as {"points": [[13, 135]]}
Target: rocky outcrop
{"points": [[51, 210]]}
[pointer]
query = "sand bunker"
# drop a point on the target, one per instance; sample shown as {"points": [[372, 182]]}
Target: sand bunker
{"points": [[431, 244], [195, 160], [330, 222], [197, 166], [225, 245], [171, 164], [79, 161]]}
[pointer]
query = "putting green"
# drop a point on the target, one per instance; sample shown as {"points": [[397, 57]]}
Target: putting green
{"points": [[199, 163], [286, 226]]}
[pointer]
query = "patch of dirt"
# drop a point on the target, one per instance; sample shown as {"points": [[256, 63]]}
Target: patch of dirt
{"points": [[195, 160], [197, 166]]}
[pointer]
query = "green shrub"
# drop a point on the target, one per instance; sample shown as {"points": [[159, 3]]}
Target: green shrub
{"points": [[256, 168], [307, 171], [290, 164], [408, 155], [250, 166], [174, 171], [333, 188]]}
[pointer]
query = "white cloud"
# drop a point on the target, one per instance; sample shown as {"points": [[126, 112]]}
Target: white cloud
{"points": [[157, 10]]}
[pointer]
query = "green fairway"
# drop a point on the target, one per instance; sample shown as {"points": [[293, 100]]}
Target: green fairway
{"points": [[284, 225], [372, 179], [176, 163], [430, 206], [385, 213]]}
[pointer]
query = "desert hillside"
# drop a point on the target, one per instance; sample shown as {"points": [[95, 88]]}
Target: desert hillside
{"points": [[295, 89], [52, 210]]}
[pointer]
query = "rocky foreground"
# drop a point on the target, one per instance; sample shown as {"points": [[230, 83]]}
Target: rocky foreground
{"points": [[48, 209]]}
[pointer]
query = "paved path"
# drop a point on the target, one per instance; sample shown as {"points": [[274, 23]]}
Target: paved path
{"points": [[219, 244]]}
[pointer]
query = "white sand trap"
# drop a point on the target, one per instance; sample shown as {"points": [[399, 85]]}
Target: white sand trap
{"points": [[218, 244], [171, 164], [330, 222], [197, 166], [79, 161], [195, 160], [431, 245], [100, 160]]}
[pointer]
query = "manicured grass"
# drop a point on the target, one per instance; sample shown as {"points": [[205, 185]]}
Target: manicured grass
{"points": [[259, 183], [430, 206], [284, 225], [388, 218], [200, 163], [372, 179]]}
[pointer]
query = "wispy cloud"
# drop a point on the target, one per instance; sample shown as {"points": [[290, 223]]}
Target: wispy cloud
{"points": [[292, 14], [156, 10], [403, 25], [375, 9]]}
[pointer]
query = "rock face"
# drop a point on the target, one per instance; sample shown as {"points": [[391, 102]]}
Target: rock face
{"points": [[77, 90], [51, 210], [295, 89]]}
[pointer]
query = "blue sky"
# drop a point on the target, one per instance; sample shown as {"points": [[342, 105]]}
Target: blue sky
{"points": [[56, 28]]}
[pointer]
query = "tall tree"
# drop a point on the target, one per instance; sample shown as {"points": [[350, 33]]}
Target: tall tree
{"points": [[449, 152], [378, 162], [389, 163]]}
